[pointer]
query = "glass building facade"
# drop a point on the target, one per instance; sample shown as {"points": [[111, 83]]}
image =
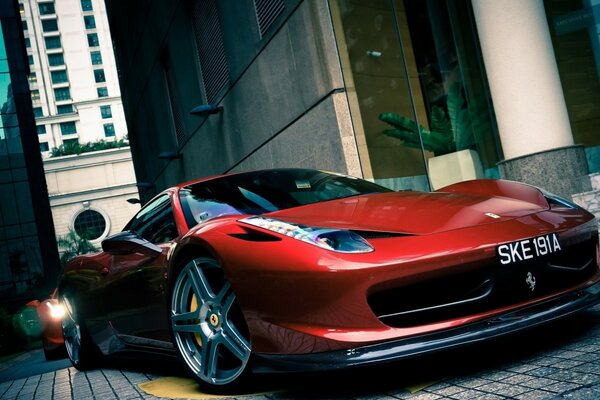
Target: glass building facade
{"points": [[418, 86], [28, 255]]}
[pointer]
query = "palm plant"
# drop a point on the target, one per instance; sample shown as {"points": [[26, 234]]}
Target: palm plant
{"points": [[451, 126], [72, 245]]}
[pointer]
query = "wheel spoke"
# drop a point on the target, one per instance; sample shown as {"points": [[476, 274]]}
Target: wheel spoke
{"points": [[225, 297], [209, 358], [186, 316], [235, 342], [200, 285]]}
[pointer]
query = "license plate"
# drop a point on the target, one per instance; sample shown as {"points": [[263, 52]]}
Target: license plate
{"points": [[527, 249]]}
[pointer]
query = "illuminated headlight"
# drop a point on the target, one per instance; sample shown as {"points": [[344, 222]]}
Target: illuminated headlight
{"points": [[339, 240], [57, 311]]}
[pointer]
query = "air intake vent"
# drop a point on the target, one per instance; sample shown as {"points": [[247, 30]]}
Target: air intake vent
{"points": [[211, 52], [267, 12]]}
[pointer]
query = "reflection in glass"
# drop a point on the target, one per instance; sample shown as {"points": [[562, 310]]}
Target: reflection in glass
{"points": [[420, 86]]}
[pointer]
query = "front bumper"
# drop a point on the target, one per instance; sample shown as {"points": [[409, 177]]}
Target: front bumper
{"points": [[504, 324]]}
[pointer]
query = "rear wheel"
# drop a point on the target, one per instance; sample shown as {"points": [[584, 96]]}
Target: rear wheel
{"points": [[80, 349], [208, 328]]}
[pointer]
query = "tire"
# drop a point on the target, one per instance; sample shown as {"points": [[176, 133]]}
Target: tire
{"points": [[82, 352], [208, 328]]}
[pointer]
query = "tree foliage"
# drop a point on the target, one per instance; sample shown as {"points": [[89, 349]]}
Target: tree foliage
{"points": [[71, 245], [453, 127], [70, 148]]}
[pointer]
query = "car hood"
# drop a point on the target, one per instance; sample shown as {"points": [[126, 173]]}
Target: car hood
{"points": [[417, 213]]}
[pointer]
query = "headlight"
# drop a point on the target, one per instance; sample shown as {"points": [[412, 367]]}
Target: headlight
{"points": [[339, 240], [57, 311]]}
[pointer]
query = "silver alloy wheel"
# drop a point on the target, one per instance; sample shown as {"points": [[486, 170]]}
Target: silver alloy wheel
{"points": [[208, 330], [71, 333]]}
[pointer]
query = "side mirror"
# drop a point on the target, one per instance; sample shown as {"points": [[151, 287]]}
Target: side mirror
{"points": [[128, 242]]}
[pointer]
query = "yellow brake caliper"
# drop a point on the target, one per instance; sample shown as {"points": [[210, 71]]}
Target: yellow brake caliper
{"points": [[194, 307]]}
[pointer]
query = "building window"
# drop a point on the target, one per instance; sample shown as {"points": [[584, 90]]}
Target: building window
{"points": [[30, 59], [41, 129], [44, 146], [27, 43], [93, 40], [38, 112], [59, 76], [62, 94], [49, 25], [89, 224], [52, 42], [99, 75], [106, 112], [96, 57], [35, 95], [32, 78], [64, 109], [47, 8], [102, 91], [68, 128], [86, 5], [24, 25], [109, 130], [89, 21], [56, 59]]}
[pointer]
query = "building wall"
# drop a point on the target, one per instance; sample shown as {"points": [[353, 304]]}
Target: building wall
{"points": [[282, 106], [100, 181], [309, 89]]}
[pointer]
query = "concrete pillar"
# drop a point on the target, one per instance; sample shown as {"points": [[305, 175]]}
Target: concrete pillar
{"points": [[527, 94]]}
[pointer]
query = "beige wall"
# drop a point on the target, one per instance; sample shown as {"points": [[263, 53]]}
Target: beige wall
{"points": [[101, 181]]}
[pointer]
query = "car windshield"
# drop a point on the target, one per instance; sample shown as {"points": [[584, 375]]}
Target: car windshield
{"points": [[266, 191]]}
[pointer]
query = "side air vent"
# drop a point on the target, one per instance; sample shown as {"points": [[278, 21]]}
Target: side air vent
{"points": [[379, 235], [267, 12]]}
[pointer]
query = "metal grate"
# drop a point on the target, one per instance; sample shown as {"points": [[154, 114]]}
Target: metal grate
{"points": [[267, 12], [173, 101], [211, 52]]}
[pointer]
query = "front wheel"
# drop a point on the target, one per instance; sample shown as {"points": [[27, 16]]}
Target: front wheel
{"points": [[79, 346], [208, 328]]}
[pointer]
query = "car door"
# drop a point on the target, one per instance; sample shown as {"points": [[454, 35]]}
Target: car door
{"points": [[135, 286]]}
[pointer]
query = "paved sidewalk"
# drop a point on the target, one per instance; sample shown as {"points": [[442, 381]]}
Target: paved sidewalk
{"points": [[72, 384], [560, 361]]}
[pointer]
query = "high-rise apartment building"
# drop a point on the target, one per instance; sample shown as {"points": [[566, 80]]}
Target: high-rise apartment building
{"points": [[73, 80]]}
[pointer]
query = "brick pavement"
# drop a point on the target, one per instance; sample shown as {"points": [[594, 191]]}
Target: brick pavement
{"points": [[560, 361]]}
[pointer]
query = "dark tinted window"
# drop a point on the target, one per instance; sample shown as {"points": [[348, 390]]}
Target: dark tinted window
{"points": [[155, 222], [265, 191]]}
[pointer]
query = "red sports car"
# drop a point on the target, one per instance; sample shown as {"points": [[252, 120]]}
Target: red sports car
{"points": [[297, 270]]}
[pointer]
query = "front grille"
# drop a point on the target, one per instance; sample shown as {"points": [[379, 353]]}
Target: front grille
{"points": [[489, 286]]}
